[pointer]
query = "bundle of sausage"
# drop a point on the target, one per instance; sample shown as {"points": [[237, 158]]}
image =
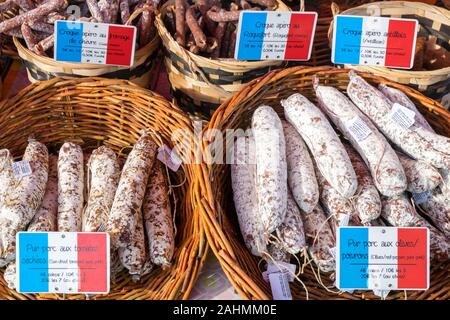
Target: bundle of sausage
{"points": [[342, 162], [35, 21], [209, 27], [75, 192]]}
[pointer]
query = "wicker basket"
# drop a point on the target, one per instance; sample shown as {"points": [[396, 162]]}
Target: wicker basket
{"points": [[45, 68], [218, 213], [434, 24], [201, 84], [95, 111]]}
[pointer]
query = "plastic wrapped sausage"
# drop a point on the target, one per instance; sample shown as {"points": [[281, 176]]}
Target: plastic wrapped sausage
{"points": [[23, 199], [301, 176], [417, 142], [70, 187], [399, 212], [271, 167], [104, 177], [243, 181], [324, 144], [158, 218], [384, 165], [130, 192]]}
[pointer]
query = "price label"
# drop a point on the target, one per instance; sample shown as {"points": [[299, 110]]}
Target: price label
{"points": [[21, 169], [169, 158], [94, 43], [62, 262], [271, 35], [374, 41], [358, 128], [382, 258], [402, 116]]}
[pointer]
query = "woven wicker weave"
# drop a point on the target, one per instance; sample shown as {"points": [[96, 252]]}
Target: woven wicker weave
{"points": [[218, 213], [92, 112]]}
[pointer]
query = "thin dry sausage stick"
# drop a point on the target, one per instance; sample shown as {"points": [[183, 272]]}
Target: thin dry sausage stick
{"points": [[35, 14], [95, 10], [180, 17], [28, 36], [197, 32]]}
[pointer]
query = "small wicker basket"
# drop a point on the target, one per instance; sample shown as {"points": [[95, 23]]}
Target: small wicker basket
{"points": [[45, 68], [94, 112], [219, 215], [434, 25], [201, 84]]}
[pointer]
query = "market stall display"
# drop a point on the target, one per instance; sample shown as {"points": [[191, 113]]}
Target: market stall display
{"points": [[93, 157], [431, 71], [303, 96], [32, 29]]}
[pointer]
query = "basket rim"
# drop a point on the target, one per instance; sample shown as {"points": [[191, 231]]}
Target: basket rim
{"points": [[392, 4], [212, 208], [216, 62]]}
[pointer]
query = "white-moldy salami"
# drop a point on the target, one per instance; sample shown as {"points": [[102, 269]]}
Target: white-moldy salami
{"points": [[158, 218], [130, 191], [333, 203], [301, 176], [10, 275], [420, 175], [323, 142], [104, 173], [437, 208], [243, 181], [134, 255], [398, 96], [399, 212], [373, 147], [70, 187], [367, 200], [6, 173], [45, 218], [23, 199], [278, 253], [415, 141], [320, 249], [291, 233], [271, 167]]}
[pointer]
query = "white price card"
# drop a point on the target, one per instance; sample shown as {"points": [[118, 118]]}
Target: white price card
{"points": [[21, 169], [382, 258], [358, 128], [274, 35], [402, 116], [374, 41], [94, 43], [62, 262]]}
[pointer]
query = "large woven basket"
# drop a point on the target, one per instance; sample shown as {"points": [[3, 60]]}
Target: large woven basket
{"points": [[201, 84], [94, 112], [45, 68], [219, 215], [434, 23]]}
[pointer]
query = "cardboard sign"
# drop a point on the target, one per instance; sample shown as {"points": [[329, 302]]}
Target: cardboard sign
{"points": [[271, 35], [95, 43], [382, 258], [62, 262], [374, 41]]}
